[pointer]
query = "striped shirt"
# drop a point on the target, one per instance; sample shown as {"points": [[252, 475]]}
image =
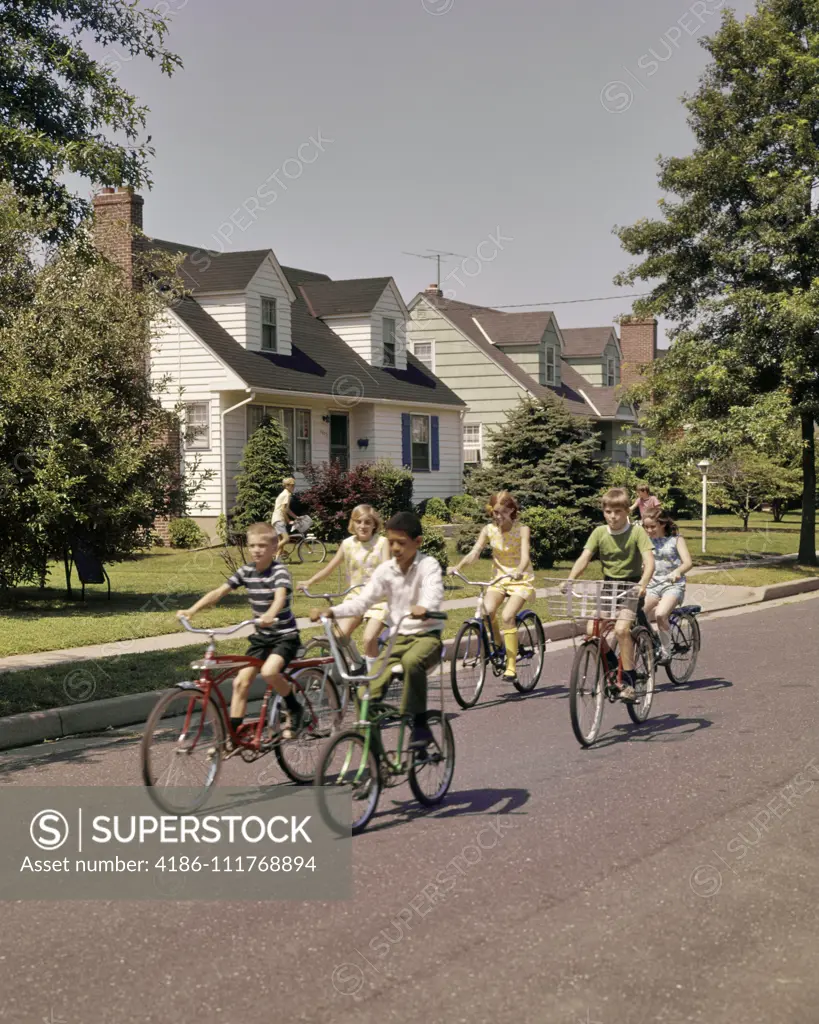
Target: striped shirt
{"points": [[262, 585]]}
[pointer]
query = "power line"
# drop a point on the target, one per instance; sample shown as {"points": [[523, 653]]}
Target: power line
{"points": [[570, 302]]}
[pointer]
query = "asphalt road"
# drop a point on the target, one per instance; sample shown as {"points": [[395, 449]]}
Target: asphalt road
{"points": [[668, 874]]}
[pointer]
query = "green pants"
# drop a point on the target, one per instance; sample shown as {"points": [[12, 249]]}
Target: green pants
{"points": [[415, 654]]}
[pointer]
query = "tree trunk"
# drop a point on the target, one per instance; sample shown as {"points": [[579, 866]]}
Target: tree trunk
{"points": [[807, 534], [67, 564]]}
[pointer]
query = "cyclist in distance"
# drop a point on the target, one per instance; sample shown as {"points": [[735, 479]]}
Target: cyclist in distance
{"points": [[672, 560], [509, 540]]}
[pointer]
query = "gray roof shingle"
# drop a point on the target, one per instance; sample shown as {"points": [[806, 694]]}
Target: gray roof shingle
{"points": [[343, 298], [203, 272], [515, 328], [585, 341]]}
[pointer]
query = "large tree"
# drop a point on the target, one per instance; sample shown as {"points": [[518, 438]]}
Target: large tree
{"points": [[84, 459], [62, 110], [734, 261], [544, 455]]}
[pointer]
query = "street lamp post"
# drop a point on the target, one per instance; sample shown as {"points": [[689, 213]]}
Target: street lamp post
{"points": [[702, 466]]}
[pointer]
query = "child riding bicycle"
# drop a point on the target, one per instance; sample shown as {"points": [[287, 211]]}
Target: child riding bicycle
{"points": [[281, 511], [672, 560], [412, 585], [276, 640], [509, 540], [627, 555], [361, 554]]}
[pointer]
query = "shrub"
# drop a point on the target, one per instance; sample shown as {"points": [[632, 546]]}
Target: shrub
{"points": [[437, 507], [466, 537], [430, 520], [265, 462], [184, 533], [468, 507], [556, 534], [334, 493], [222, 528], [435, 545]]}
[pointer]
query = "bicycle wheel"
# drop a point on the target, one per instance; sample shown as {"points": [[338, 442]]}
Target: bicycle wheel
{"points": [[468, 665], [586, 692], [644, 675], [685, 646], [530, 651], [348, 765], [317, 693], [182, 750], [310, 550], [431, 777]]}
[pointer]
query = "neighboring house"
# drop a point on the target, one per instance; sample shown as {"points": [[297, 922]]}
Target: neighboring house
{"points": [[328, 358], [492, 359]]}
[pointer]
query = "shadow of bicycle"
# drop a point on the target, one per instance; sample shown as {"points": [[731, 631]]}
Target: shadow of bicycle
{"points": [[455, 805], [668, 728]]}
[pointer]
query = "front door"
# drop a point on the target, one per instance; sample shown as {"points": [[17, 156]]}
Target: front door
{"points": [[340, 439]]}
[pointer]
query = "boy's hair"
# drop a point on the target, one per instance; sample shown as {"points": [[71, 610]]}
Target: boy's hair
{"points": [[642, 487], [617, 497], [365, 512], [406, 522], [257, 529], [662, 518], [289, 481], [505, 498]]}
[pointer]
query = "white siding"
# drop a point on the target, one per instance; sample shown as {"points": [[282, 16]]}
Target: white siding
{"points": [[442, 483], [362, 425], [267, 284], [229, 311], [594, 368], [193, 374], [356, 331], [389, 306]]}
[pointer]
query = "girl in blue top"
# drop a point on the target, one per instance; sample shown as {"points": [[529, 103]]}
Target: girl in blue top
{"points": [[672, 561]]}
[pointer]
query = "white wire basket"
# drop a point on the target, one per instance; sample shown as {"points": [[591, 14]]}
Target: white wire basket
{"points": [[590, 599], [302, 524]]}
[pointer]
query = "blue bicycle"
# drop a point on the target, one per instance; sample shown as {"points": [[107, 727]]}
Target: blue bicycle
{"points": [[475, 650], [685, 642]]}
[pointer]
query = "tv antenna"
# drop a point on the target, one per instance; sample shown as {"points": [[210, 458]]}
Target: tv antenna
{"points": [[435, 254]]}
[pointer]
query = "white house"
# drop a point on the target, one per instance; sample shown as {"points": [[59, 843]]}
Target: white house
{"points": [[251, 338]]}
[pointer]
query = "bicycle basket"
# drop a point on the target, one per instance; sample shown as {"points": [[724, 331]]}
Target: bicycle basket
{"points": [[590, 599], [302, 524]]}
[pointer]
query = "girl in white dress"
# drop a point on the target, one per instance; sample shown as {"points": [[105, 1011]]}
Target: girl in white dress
{"points": [[361, 553]]}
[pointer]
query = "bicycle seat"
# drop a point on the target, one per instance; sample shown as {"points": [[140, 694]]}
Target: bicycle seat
{"points": [[693, 609]]}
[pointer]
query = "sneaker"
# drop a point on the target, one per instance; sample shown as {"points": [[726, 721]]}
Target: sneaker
{"points": [[628, 694], [292, 722], [421, 737], [663, 657], [510, 677]]}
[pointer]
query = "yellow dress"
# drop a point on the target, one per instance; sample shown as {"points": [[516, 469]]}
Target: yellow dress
{"points": [[361, 560], [506, 551]]}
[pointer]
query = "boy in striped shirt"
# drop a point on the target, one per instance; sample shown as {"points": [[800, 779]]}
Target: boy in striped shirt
{"points": [[276, 640]]}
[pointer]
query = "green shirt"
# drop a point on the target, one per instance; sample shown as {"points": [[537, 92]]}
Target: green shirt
{"points": [[620, 553]]}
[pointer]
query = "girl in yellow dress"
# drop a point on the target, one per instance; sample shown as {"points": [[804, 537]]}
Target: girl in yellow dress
{"points": [[361, 553], [509, 540]]}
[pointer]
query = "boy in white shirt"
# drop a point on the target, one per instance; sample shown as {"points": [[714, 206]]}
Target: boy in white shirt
{"points": [[412, 585], [281, 511]]}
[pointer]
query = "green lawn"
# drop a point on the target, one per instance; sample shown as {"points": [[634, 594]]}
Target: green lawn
{"points": [[759, 576]]}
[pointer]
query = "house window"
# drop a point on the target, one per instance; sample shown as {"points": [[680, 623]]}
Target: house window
{"points": [[296, 427], [424, 352], [420, 443], [472, 442], [388, 336], [197, 426], [268, 325], [610, 375], [551, 365]]}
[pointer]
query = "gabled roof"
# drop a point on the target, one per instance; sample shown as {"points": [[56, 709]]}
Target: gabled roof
{"points": [[606, 401], [202, 271], [585, 341], [515, 328], [320, 363], [463, 316], [343, 298]]}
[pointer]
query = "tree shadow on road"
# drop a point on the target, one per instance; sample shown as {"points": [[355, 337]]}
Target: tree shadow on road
{"points": [[79, 750], [668, 728], [513, 697], [473, 802]]}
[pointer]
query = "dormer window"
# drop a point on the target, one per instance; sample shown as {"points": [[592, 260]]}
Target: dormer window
{"points": [[269, 325], [388, 336], [551, 365], [610, 373]]}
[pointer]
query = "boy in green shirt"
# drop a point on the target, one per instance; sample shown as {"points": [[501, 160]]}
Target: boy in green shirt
{"points": [[626, 554]]}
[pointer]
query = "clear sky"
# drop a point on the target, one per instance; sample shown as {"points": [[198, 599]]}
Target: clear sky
{"points": [[341, 133]]}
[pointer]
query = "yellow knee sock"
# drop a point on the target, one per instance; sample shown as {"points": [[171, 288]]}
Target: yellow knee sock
{"points": [[510, 640]]}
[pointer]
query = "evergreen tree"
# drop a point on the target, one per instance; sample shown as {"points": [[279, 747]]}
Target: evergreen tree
{"points": [[544, 455], [265, 463]]}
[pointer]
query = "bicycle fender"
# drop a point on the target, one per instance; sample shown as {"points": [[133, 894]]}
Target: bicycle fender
{"points": [[187, 686]]}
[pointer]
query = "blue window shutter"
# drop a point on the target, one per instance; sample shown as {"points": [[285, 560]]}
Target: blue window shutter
{"points": [[436, 455], [406, 441]]}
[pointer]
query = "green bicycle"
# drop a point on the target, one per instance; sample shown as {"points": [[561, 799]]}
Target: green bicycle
{"points": [[373, 754]]}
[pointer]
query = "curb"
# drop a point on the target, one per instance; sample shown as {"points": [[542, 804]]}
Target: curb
{"points": [[133, 709]]}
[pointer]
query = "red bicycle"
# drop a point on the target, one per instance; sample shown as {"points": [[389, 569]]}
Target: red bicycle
{"points": [[188, 734]]}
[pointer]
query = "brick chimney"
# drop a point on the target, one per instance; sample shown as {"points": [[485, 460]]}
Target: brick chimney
{"points": [[433, 289], [117, 218], [638, 341]]}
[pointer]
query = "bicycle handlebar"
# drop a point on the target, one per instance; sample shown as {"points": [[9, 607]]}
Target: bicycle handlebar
{"points": [[328, 597], [476, 583], [218, 630]]}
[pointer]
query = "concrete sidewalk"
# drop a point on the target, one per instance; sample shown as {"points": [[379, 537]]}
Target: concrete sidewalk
{"points": [[97, 716]]}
